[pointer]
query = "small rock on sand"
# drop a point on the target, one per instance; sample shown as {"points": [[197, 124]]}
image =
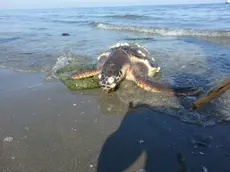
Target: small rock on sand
{"points": [[65, 34], [141, 141], [204, 169], [201, 153], [8, 139]]}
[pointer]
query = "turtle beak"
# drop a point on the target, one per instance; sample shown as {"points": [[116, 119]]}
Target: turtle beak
{"points": [[108, 84], [107, 90]]}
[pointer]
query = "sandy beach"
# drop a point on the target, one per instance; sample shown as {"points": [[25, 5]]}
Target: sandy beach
{"points": [[52, 129], [45, 127], [56, 130]]}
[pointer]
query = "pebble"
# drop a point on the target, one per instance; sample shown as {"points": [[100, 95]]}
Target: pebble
{"points": [[141, 141], [109, 109], [27, 128], [182, 67], [201, 153], [82, 102], [48, 98], [8, 139], [74, 105], [13, 158], [58, 114], [91, 166], [205, 169]]}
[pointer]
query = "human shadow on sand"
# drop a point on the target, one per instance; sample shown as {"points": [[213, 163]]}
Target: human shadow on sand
{"points": [[168, 143]]}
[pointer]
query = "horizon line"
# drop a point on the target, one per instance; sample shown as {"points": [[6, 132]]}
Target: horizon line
{"points": [[106, 6]]}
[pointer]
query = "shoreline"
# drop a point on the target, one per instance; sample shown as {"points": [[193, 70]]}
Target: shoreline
{"points": [[54, 129]]}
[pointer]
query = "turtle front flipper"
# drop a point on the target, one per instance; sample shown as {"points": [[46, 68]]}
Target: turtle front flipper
{"points": [[149, 85], [92, 72], [85, 73]]}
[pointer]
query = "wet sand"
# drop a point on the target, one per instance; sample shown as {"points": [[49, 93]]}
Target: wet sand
{"points": [[56, 130]]}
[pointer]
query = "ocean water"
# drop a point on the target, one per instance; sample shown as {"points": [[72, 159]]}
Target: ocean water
{"points": [[191, 43]]}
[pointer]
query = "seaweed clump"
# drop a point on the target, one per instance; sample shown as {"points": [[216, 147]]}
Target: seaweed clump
{"points": [[64, 74]]}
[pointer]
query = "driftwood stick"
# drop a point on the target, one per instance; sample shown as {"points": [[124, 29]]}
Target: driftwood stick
{"points": [[212, 94]]}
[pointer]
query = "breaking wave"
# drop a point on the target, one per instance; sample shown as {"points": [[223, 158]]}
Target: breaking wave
{"points": [[164, 31], [62, 60]]}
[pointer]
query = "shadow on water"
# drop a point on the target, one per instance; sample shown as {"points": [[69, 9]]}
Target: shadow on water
{"points": [[166, 143]]}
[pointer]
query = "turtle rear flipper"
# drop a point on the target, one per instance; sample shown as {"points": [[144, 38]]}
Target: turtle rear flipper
{"points": [[149, 85], [85, 74], [186, 91]]}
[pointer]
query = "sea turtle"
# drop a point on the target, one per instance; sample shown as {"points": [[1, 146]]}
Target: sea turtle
{"points": [[131, 62]]}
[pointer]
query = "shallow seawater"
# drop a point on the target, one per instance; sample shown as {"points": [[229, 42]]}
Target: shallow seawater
{"points": [[189, 42]]}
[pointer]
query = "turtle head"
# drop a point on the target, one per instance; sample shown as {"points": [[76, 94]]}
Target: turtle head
{"points": [[114, 70], [110, 80]]}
